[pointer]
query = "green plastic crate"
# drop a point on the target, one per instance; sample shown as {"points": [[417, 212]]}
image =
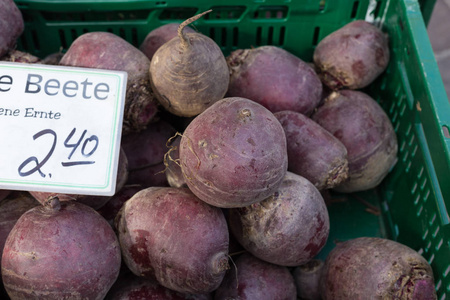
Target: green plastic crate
{"points": [[410, 204]]}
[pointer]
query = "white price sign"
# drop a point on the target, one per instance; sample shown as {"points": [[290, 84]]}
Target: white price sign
{"points": [[60, 128]]}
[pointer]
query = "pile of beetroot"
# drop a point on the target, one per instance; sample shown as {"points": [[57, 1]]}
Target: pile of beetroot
{"points": [[223, 166]]}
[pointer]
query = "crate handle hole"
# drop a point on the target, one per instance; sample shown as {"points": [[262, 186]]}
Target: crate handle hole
{"points": [[446, 131], [316, 36], [354, 9]]}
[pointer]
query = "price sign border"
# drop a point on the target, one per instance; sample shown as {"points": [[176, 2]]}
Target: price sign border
{"points": [[116, 129]]}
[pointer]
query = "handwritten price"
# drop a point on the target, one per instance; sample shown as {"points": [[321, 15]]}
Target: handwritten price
{"points": [[88, 147]]}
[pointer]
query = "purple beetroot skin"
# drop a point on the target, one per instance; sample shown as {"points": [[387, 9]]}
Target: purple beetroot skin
{"points": [[275, 78], [381, 268], [62, 250], [145, 151], [110, 210], [11, 209], [11, 25], [234, 153], [133, 287], [159, 36], [251, 278], [307, 279], [289, 228], [170, 235], [104, 50], [313, 152], [4, 194], [364, 128], [352, 56]]}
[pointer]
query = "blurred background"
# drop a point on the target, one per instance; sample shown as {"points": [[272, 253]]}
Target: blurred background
{"points": [[439, 33]]}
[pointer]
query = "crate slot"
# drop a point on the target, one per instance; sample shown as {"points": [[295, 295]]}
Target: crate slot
{"points": [[35, 38], [396, 230], [433, 219], [420, 210], [446, 131], [23, 41], [235, 36], [414, 188], [270, 36], [422, 185], [73, 34], [405, 156], [62, 38], [95, 16], [354, 9], [134, 37], [413, 153], [316, 33], [270, 12], [420, 173], [428, 246], [427, 193], [406, 85], [223, 40], [438, 285], [258, 35], [438, 246], [402, 109], [411, 140], [178, 13], [417, 199], [447, 271], [225, 13], [122, 33], [281, 37], [430, 261], [436, 231]]}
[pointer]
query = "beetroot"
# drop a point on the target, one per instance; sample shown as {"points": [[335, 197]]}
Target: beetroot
{"points": [[4, 194], [352, 56], [19, 56], [104, 50], [11, 209], [307, 277], [63, 250], [170, 235], [252, 278], [53, 58], [360, 123], [173, 171], [381, 268], [91, 200], [313, 152], [289, 228], [138, 288], [110, 210], [145, 152], [159, 36], [234, 153], [275, 78], [11, 25], [189, 73]]}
